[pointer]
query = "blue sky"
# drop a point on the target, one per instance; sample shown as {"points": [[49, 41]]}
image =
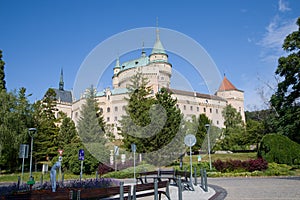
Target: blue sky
{"points": [[243, 38]]}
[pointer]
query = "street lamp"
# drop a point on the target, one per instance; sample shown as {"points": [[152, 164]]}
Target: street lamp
{"points": [[207, 126], [32, 132]]}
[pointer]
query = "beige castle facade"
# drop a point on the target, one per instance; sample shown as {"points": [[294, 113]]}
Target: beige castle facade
{"points": [[158, 71]]}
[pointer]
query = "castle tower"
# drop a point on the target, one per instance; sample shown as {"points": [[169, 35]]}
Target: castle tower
{"points": [[159, 60], [116, 71], [234, 96]]}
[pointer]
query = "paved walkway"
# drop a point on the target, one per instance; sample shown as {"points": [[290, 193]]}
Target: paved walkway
{"points": [[256, 188]]}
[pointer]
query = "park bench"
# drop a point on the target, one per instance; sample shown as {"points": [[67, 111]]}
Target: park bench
{"points": [[144, 176], [150, 189]]}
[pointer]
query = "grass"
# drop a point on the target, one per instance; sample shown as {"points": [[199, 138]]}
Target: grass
{"points": [[223, 157]]}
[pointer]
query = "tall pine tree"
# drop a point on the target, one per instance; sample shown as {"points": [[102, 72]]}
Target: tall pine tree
{"points": [[89, 127]]}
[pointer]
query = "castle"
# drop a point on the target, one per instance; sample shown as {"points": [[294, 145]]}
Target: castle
{"points": [[157, 69]]}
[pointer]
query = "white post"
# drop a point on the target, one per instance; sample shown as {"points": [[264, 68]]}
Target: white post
{"points": [[81, 170], [134, 166], [30, 167], [208, 140]]}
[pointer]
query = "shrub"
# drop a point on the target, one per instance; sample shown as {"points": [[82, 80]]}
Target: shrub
{"points": [[241, 166], [279, 149]]}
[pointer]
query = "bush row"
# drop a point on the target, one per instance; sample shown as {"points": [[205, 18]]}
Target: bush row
{"points": [[251, 165]]}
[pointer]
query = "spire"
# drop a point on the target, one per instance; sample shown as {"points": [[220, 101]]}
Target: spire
{"points": [[117, 62], [158, 47], [61, 81], [143, 50]]}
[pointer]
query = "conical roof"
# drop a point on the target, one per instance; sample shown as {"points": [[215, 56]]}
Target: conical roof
{"points": [[158, 47], [226, 85]]}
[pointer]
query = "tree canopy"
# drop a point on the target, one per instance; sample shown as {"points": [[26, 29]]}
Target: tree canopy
{"points": [[286, 99]]}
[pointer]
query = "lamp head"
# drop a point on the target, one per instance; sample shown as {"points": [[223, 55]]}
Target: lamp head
{"points": [[207, 126], [32, 131]]}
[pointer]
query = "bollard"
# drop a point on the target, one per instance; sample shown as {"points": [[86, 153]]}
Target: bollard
{"points": [[97, 175], [41, 179], [19, 181], [62, 178], [205, 181], [195, 175], [121, 191], [179, 188], [155, 190], [202, 178]]}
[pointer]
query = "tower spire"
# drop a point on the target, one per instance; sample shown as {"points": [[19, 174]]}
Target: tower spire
{"points": [[61, 81], [157, 30]]}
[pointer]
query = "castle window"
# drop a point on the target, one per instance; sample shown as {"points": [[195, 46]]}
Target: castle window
{"points": [[107, 119], [210, 110], [116, 109], [116, 119], [204, 109], [240, 109], [108, 109], [108, 97], [123, 107], [191, 107], [217, 122], [177, 106], [184, 107], [101, 110], [197, 109], [136, 62], [217, 111], [76, 114]]}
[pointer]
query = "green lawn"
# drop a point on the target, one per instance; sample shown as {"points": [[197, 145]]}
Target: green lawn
{"points": [[233, 156]]}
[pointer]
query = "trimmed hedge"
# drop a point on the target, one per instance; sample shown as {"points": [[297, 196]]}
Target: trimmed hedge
{"points": [[279, 149], [251, 165]]}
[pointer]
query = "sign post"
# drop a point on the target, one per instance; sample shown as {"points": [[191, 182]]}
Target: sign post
{"points": [[23, 153], [116, 153], [81, 158], [190, 140], [133, 149]]}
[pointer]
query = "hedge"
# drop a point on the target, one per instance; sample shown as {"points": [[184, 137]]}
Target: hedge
{"points": [[279, 149]]}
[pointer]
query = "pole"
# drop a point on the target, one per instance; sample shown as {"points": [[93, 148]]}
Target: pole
{"points": [[22, 168], [134, 167], [81, 170], [30, 168], [191, 176], [208, 140]]}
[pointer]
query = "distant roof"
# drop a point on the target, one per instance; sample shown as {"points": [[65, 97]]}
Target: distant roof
{"points": [[226, 85], [142, 61], [113, 92], [63, 95], [196, 94]]}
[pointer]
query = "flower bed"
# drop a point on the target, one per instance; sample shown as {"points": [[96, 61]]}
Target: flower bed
{"points": [[68, 190]]}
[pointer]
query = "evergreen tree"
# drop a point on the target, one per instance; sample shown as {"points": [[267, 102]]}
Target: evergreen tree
{"points": [[67, 132], [234, 129], [286, 99], [153, 124], [2, 74], [201, 131], [89, 129], [46, 139], [137, 114]]}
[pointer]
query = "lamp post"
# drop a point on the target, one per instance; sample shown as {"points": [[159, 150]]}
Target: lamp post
{"points": [[31, 132], [207, 126]]}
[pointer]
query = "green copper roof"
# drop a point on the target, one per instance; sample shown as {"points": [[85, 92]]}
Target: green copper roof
{"points": [[142, 61], [158, 47]]}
